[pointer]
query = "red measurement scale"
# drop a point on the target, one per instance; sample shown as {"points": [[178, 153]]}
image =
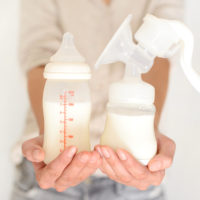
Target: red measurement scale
{"points": [[66, 102]]}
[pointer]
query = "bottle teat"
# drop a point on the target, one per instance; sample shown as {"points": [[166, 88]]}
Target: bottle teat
{"points": [[67, 51], [67, 62]]}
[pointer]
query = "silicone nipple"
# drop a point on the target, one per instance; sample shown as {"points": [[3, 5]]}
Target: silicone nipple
{"points": [[67, 51]]}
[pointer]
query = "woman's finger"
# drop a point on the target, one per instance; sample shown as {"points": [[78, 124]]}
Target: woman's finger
{"points": [[157, 177], [47, 174], [164, 158], [105, 167], [32, 149], [70, 174], [135, 168], [92, 165], [112, 159]]}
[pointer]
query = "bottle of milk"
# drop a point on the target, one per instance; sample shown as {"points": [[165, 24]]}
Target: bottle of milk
{"points": [[66, 101], [130, 110], [130, 118]]}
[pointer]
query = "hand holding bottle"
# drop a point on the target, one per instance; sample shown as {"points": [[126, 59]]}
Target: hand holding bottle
{"points": [[68, 169], [124, 168]]}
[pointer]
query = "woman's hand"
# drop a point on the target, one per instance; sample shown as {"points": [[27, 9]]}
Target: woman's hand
{"points": [[68, 169], [124, 168]]}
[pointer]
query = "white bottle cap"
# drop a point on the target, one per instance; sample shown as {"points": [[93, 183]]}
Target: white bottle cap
{"points": [[67, 62], [131, 91]]}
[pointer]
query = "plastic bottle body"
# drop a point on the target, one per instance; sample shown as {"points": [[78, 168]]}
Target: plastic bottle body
{"points": [[66, 108], [131, 127]]}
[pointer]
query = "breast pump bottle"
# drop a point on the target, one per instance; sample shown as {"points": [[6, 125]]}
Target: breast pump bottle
{"points": [[130, 110], [66, 101]]}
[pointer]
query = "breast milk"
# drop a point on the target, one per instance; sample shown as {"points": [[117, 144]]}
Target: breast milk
{"points": [[134, 133], [77, 131]]}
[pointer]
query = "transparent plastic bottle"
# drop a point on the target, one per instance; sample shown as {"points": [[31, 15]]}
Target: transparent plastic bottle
{"points": [[66, 101], [130, 119]]}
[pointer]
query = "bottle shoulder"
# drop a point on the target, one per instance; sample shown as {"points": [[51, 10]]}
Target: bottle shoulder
{"points": [[78, 90]]}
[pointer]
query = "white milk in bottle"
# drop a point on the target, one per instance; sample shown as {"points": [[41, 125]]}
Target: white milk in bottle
{"points": [[66, 101], [130, 119]]}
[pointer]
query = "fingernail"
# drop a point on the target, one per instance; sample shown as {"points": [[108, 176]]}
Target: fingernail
{"points": [[105, 153], [99, 150], [155, 166], [71, 152], [121, 155], [36, 154], [83, 158], [93, 158]]}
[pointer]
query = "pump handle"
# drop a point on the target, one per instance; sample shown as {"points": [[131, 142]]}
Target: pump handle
{"points": [[187, 44]]}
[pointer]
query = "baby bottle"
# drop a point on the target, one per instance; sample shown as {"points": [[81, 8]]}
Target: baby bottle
{"points": [[130, 109], [66, 101]]}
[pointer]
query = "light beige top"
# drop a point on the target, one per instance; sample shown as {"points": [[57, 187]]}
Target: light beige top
{"points": [[92, 23]]}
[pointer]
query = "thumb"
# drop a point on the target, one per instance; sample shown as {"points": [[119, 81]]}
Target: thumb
{"points": [[32, 149], [164, 158]]}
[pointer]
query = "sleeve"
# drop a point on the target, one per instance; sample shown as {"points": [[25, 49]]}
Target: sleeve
{"points": [[40, 33], [169, 9]]}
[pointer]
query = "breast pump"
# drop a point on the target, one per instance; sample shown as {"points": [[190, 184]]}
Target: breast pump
{"points": [[130, 110]]}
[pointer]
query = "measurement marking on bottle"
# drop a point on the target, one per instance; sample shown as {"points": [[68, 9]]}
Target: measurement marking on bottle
{"points": [[65, 117], [64, 102], [71, 92]]}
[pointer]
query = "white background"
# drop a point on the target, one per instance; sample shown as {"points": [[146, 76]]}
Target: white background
{"points": [[180, 120]]}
